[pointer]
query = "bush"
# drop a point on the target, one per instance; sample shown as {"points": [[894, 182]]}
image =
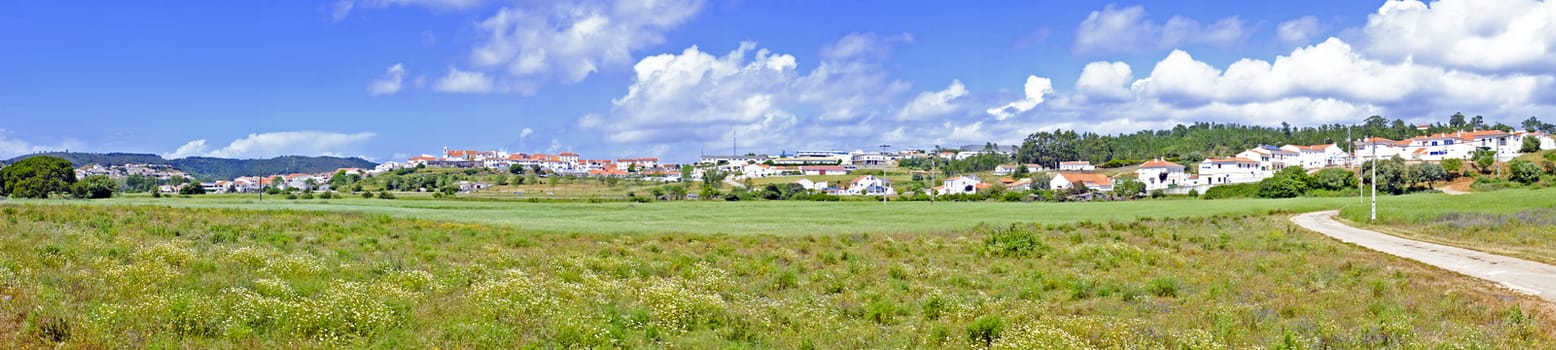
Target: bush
{"points": [[385, 195], [1247, 190], [1163, 287], [983, 331], [95, 186], [1194, 193], [1333, 179], [1524, 171], [367, 195], [306, 196], [1015, 241], [291, 196], [37, 177]]}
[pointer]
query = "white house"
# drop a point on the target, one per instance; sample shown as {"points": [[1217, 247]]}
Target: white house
{"points": [[760, 170], [869, 185], [1317, 156], [1007, 169], [1095, 182], [1161, 175], [1076, 166], [812, 185], [961, 185], [1020, 185], [1271, 157], [817, 170], [1378, 148], [1546, 142], [1231, 170]]}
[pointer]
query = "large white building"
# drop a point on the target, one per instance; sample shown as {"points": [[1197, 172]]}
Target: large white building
{"points": [[1230, 171], [1161, 175]]}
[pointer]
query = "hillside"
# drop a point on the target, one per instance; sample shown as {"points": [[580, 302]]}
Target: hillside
{"points": [[215, 168]]}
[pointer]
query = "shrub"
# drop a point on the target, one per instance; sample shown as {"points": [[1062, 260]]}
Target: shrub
{"points": [[1015, 242], [1163, 287], [1247, 190], [367, 195], [1334, 179], [306, 196], [385, 195], [985, 330], [1524, 171]]}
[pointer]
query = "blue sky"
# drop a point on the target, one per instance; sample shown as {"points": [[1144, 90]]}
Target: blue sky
{"points": [[386, 79]]}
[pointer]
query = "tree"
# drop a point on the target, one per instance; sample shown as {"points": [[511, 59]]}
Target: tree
{"points": [[1453, 167], [1287, 183], [1484, 159], [276, 181], [1428, 173], [95, 186], [1391, 175], [1456, 121], [192, 188], [1478, 123], [1531, 145], [516, 169], [1524, 171], [1129, 188], [1533, 124], [1333, 179], [37, 177]]}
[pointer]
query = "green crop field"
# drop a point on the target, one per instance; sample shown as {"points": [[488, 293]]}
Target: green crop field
{"points": [[122, 276], [756, 217]]}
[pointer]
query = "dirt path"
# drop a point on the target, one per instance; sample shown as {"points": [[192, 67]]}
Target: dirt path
{"points": [[1457, 187], [1517, 274]]}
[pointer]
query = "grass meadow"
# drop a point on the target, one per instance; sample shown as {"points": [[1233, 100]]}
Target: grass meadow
{"points": [[752, 217], [121, 276], [1515, 222]]}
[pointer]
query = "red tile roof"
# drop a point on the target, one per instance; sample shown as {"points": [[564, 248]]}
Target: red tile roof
{"points": [[1160, 164], [1088, 179]]}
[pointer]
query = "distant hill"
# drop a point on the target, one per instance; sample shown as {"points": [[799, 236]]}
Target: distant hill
{"points": [[215, 168]]}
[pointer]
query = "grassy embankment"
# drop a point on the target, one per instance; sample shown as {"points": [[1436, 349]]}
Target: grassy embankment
{"points": [[150, 276], [1514, 222], [766, 217]]}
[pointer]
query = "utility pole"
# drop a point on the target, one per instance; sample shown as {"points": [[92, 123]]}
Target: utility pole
{"points": [[261, 175], [1374, 185]]}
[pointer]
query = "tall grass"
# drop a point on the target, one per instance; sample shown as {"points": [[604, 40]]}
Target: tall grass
{"points": [[144, 276], [751, 217]]}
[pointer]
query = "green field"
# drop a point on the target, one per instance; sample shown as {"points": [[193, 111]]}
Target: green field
{"points": [[1517, 222], [157, 277], [753, 217]]}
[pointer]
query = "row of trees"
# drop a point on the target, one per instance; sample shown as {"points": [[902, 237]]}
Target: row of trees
{"points": [[43, 176], [1192, 143]]}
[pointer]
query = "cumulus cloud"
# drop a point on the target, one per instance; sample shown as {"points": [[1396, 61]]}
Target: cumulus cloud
{"points": [[1298, 31], [272, 144], [1482, 35], [1329, 82], [1035, 88], [11, 147], [932, 104], [459, 81], [695, 98], [1115, 30], [389, 83], [536, 42], [1105, 81]]}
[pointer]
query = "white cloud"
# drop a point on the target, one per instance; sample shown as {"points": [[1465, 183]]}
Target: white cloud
{"points": [[524, 134], [11, 147], [272, 144], [1107, 81], [389, 83], [696, 99], [340, 9], [1127, 29], [1035, 89], [1484, 35], [931, 104], [568, 41], [459, 81], [1298, 31]]}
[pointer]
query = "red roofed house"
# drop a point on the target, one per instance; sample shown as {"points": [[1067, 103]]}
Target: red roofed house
{"points": [[1158, 174], [1095, 182], [813, 170]]}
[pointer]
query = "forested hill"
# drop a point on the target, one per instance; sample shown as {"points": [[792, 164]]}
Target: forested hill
{"points": [[215, 168]]}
